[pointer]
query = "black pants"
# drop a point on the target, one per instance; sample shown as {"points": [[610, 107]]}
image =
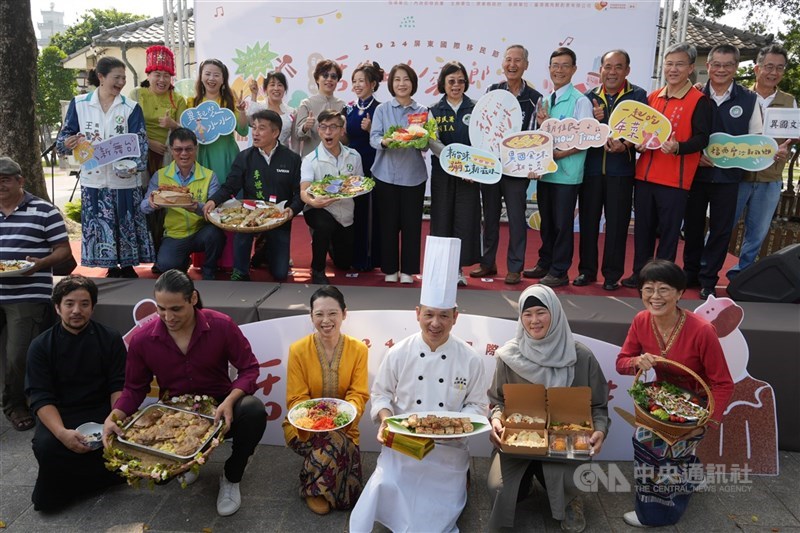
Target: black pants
{"points": [[514, 192], [401, 226], [659, 211], [366, 234], [249, 423], [703, 258], [614, 195], [64, 475], [557, 209], [456, 212], [328, 234]]}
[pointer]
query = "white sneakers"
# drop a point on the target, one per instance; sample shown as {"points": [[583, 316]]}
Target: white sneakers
{"points": [[631, 519], [406, 278], [229, 499], [390, 278], [188, 477]]}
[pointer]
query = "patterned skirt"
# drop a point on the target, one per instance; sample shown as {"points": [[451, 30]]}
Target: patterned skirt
{"points": [[666, 476], [114, 229], [331, 469]]}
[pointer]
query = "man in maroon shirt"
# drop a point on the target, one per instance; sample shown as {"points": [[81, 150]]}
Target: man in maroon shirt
{"points": [[188, 350]]}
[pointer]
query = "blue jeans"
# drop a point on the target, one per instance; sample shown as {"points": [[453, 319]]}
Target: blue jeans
{"points": [[761, 199], [276, 244], [174, 253]]}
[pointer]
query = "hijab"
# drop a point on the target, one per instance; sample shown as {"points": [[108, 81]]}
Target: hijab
{"points": [[551, 360]]}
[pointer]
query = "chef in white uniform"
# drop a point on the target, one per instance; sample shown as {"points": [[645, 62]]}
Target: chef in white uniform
{"points": [[429, 371]]}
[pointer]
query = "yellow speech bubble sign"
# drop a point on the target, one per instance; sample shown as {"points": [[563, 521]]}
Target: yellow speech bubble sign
{"points": [[640, 124]]}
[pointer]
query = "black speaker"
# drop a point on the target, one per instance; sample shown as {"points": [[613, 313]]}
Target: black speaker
{"points": [[776, 278]]}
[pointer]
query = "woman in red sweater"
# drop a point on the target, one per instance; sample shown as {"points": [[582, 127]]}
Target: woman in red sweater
{"points": [[665, 330]]}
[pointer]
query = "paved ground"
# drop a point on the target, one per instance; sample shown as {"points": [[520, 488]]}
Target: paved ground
{"points": [[270, 501]]}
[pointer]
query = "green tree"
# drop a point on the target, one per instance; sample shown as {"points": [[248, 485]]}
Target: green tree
{"points": [[716, 8], [93, 22], [56, 83], [791, 41]]}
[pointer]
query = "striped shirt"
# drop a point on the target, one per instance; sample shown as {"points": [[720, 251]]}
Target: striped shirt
{"points": [[32, 229]]}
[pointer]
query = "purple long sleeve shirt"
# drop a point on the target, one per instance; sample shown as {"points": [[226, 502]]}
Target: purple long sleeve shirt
{"points": [[216, 341]]}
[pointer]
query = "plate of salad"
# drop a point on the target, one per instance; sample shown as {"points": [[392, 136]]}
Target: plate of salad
{"points": [[322, 414], [668, 403], [341, 186], [412, 136]]}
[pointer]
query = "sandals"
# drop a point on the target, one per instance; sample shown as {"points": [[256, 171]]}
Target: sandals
{"points": [[21, 419]]}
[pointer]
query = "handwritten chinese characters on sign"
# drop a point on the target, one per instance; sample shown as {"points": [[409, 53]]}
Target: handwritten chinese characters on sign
{"points": [[750, 152], [108, 151], [468, 162], [208, 121], [640, 124], [527, 151], [569, 133], [496, 115], [783, 123]]}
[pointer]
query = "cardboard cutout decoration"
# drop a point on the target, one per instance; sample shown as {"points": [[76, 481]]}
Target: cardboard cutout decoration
{"points": [[748, 434], [782, 123], [144, 312], [569, 133], [527, 151], [750, 152], [470, 163], [640, 124], [495, 116], [105, 152], [208, 121]]}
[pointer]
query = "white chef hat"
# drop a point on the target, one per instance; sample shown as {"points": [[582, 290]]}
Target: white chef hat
{"points": [[440, 272]]}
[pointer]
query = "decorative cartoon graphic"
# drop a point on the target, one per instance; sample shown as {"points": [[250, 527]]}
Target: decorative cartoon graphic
{"points": [[527, 151], [208, 121], [748, 434], [570, 133], [750, 152], [496, 115]]}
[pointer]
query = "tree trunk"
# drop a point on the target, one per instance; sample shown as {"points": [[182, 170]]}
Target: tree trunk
{"points": [[18, 55]]}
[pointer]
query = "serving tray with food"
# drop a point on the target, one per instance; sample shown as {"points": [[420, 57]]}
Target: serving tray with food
{"points": [[248, 216], [439, 424], [10, 267], [322, 414], [341, 186], [415, 135], [172, 196]]}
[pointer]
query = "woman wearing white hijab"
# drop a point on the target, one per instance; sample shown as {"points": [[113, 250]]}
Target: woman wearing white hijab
{"points": [[544, 352]]}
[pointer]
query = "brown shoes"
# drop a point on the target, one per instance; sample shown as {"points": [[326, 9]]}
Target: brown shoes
{"points": [[483, 271], [512, 278], [318, 504], [554, 281], [535, 272]]}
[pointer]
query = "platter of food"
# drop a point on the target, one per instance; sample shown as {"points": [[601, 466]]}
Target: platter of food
{"points": [[248, 216], [412, 136], [172, 196], [668, 403], [439, 424], [169, 431], [341, 186], [322, 414], [14, 268]]}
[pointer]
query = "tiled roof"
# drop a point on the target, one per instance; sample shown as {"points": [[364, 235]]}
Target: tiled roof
{"points": [[705, 34], [142, 33]]}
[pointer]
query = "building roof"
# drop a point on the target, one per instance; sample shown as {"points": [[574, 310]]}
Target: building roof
{"points": [[706, 34], [143, 33]]}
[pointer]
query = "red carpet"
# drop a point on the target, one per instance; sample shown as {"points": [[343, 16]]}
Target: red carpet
{"points": [[301, 257]]}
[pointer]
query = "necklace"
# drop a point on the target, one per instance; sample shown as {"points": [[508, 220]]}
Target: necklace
{"points": [[365, 107]]}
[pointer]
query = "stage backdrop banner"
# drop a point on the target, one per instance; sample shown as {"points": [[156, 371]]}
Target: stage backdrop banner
{"points": [[252, 38], [270, 340]]}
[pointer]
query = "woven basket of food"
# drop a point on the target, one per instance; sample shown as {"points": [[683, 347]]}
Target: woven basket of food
{"points": [[165, 439], [248, 216], [667, 409]]}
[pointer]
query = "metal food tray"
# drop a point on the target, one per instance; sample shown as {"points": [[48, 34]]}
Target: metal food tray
{"points": [[162, 453]]}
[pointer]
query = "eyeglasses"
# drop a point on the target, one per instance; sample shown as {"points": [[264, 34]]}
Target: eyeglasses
{"points": [[330, 76], [561, 66], [717, 65], [457, 82], [662, 291], [329, 127], [678, 65], [773, 68], [182, 149]]}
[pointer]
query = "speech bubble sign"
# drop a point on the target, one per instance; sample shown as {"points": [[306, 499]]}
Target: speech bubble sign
{"points": [[105, 152], [582, 134], [750, 152], [495, 116], [782, 123], [527, 151], [470, 163], [640, 124], [208, 121]]}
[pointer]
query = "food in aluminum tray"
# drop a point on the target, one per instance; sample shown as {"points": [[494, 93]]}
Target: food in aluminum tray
{"points": [[439, 424], [10, 267], [341, 186], [248, 216], [322, 414], [170, 432]]}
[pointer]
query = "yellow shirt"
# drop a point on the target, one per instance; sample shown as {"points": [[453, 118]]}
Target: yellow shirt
{"points": [[304, 380]]}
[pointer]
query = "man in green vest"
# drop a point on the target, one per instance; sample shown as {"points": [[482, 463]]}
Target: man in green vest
{"points": [[185, 228]]}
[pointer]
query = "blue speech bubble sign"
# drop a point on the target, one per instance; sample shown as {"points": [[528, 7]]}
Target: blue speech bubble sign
{"points": [[208, 121], [750, 152]]}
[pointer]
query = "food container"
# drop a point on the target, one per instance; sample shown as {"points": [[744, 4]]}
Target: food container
{"points": [[342, 406], [569, 406], [125, 168], [528, 401], [162, 453], [513, 435], [580, 445], [558, 445]]}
